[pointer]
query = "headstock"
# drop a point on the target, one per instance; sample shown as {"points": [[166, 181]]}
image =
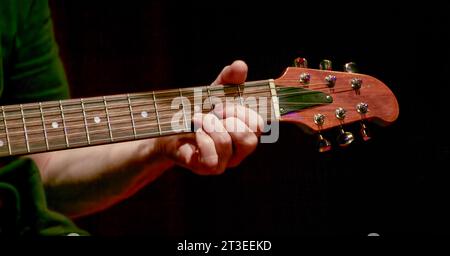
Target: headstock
{"points": [[322, 99]]}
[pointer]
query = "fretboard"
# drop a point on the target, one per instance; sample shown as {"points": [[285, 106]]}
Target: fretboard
{"points": [[56, 125]]}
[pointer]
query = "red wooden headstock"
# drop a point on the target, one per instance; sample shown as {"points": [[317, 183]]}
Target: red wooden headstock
{"points": [[343, 90]]}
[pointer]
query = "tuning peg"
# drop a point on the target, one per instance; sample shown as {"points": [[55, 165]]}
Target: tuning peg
{"points": [[325, 65], [363, 108], [351, 67], [323, 144], [364, 133], [300, 62], [344, 138]]}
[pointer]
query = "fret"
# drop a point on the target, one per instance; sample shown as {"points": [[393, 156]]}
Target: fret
{"points": [[43, 125], [6, 131], [143, 115], [240, 94], [133, 124], [157, 114], [85, 122], [184, 111], [64, 123], [32, 126], [209, 98], [52, 133], [25, 129], [119, 118], [107, 119], [96, 119]]}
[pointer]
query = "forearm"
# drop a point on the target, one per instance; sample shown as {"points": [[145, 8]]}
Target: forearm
{"points": [[82, 181]]}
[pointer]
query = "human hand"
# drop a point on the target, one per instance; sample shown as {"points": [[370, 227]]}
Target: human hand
{"points": [[225, 137]]}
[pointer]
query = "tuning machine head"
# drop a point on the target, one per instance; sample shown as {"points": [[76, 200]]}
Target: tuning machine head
{"points": [[344, 138], [326, 65], [362, 108], [351, 67], [300, 62], [323, 144]]}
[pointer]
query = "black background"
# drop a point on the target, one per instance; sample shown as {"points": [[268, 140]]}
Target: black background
{"points": [[393, 184]]}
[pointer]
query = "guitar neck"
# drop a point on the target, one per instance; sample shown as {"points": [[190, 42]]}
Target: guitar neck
{"points": [[56, 125]]}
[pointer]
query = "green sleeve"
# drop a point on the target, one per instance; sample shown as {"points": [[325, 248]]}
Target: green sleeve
{"points": [[23, 207], [30, 71], [35, 71]]}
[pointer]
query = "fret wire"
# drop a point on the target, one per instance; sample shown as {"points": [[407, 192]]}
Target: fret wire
{"points": [[43, 125], [25, 129], [157, 115], [107, 119], [6, 131], [85, 122], [209, 96], [184, 112], [133, 124], [64, 123], [240, 94]]}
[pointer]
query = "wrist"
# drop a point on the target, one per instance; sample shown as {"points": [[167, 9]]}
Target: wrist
{"points": [[155, 151]]}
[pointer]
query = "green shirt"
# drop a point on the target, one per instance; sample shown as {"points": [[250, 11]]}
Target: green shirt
{"points": [[30, 71]]}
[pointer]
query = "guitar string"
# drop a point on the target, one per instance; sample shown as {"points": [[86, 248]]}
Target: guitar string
{"points": [[89, 110], [98, 131], [281, 94], [93, 131], [100, 101], [101, 107], [127, 113]]}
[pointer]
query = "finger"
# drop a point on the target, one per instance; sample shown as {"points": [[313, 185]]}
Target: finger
{"points": [[187, 156], [184, 150], [250, 117], [222, 140], [179, 148], [207, 155], [244, 140], [236, 73]]}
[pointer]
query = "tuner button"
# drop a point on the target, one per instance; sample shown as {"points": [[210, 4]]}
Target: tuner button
{"points": [[325, 65], [300, 62], [323, 144], [340, 113], [356, 83], [331, 81], [362, 108], [305, 78], [351, 67], [345, 138]]}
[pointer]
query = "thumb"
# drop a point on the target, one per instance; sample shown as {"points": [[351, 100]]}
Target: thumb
{"points": [[236, 73]]}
